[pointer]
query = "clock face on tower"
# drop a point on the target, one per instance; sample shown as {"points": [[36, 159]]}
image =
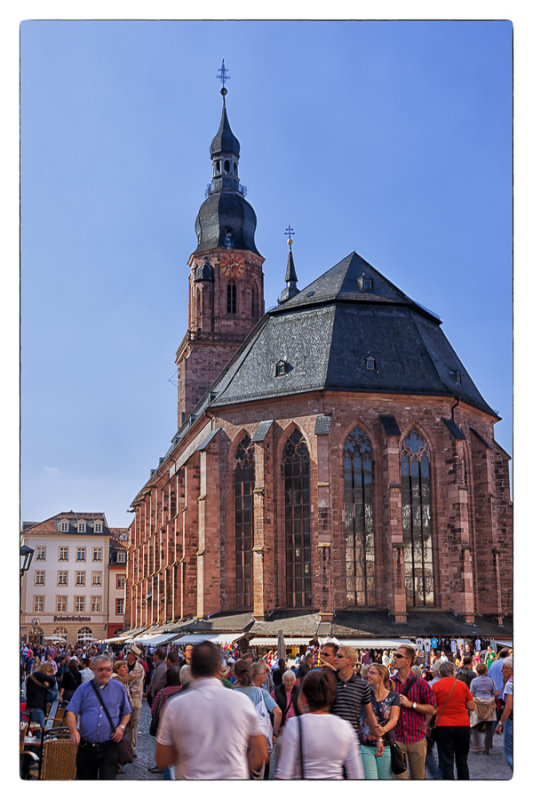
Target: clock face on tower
{"points": [[232, 266]]}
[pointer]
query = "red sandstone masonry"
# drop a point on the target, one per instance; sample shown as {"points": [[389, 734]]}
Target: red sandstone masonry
{"points": [[471, 511]]}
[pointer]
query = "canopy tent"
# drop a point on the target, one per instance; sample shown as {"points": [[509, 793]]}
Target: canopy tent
{"points": [[54, 638], [154, 639], [216, 638], [272, 641], [504, 642], [127, 636], [376, 644]]}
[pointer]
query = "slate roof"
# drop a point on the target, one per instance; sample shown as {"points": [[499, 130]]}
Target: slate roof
{"points": [[326, 332], [51, 526], [347, 624], [224, 140], [225, 209]]}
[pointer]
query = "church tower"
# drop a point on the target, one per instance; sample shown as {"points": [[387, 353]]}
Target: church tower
{"points": [[226, 296]]}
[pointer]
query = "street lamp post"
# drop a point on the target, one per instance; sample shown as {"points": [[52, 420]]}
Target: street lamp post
{"points": [[26, 555]]}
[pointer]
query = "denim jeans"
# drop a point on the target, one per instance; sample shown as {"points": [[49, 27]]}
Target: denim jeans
{"points": [[508, 741], [36, 715], [376, 768]]}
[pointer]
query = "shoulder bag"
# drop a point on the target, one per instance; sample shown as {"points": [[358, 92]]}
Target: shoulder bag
{"points": [[125, 756], [302, 776], [397, 757]]}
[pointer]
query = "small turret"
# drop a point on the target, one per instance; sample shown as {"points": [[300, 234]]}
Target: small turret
{"points": [[291, 279]]}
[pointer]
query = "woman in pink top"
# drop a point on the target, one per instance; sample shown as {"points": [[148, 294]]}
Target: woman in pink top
{"points": [[286, 696]]}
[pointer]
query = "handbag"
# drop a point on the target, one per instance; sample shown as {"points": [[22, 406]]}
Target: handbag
{"points": [[398, 759], [124, 753]]}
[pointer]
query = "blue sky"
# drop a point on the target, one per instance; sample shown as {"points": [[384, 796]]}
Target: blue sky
{"points": [[390, 138]]}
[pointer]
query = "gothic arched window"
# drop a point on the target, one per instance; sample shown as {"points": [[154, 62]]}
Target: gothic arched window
{"points": [[359, 520], [297, 522], [416, 521], [243, 483], [232, 298]]}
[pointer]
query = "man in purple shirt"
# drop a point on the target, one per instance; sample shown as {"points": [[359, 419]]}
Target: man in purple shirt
{"points": [[96, 738]]}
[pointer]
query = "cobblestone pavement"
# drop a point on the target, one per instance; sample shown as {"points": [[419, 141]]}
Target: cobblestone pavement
{"points": [[482, 767], [138, 771]]}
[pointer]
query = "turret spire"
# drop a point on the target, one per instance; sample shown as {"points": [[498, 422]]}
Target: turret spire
{"points": [[291, 279]]}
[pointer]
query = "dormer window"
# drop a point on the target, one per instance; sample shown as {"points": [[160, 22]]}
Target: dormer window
{"points": [[370, 363], [82, 527], [281, 368], [63, 527], [365, 284], [98, 527]]}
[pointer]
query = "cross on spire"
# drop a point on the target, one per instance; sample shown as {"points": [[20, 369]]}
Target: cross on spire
{"points": [[223, 76], [290, 233]]}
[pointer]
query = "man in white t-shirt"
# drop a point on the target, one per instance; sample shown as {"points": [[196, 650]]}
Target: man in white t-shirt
{"points": [[210, 732]]}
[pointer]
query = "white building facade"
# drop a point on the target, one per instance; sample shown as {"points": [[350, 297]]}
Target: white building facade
{"points": [[66, 591]]}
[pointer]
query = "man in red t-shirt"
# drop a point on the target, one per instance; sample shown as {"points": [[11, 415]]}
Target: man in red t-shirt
{"points": [[452, 722]]}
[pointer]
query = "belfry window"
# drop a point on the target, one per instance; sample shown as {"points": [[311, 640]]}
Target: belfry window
{"points": [[255, 302], [416, 521], [226, 166], [232, 298], [243, 486], [295, 469], [359, 520], [370, 363]]}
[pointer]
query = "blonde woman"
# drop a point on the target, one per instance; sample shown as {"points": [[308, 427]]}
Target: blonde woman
{"points": [[386, 707]]}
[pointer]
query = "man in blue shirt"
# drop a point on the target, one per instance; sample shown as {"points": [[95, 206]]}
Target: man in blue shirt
{"points": [[97, 756], [495, 669]]}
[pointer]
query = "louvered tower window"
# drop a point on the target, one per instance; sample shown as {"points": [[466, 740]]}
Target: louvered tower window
{"points": [[232, 298]]}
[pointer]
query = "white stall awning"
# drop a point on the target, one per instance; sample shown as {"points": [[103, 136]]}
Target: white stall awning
{"points": [[154, 639], [216, 638], [377, 644], [272, 641]]}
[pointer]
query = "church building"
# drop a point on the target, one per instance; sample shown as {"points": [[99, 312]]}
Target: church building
{"points": [[332, 455]]}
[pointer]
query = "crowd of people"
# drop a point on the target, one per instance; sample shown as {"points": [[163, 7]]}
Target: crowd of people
{"points": [[335, 713]]}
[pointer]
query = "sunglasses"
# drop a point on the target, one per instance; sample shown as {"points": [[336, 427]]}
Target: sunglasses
{"points": [[399, 655]]}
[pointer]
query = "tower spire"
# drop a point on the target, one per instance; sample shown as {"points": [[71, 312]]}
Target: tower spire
{"points": [[291, 279], [225, 219]]}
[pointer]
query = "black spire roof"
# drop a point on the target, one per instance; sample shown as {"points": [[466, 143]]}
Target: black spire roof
{"points": [[224, 140], [350, 330], [225, 218], [291, 279]]}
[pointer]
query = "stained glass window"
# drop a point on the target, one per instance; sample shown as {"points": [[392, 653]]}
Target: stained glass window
{"points": [[297, 522], [243, 481], [359, 520], [416, 521]]}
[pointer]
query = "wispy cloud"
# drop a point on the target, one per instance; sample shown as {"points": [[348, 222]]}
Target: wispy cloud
{"points": [[50, 469]]}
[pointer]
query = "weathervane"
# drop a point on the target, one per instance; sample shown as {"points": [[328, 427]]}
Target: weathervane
{"points": [[290, 233], [223, 76]]}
